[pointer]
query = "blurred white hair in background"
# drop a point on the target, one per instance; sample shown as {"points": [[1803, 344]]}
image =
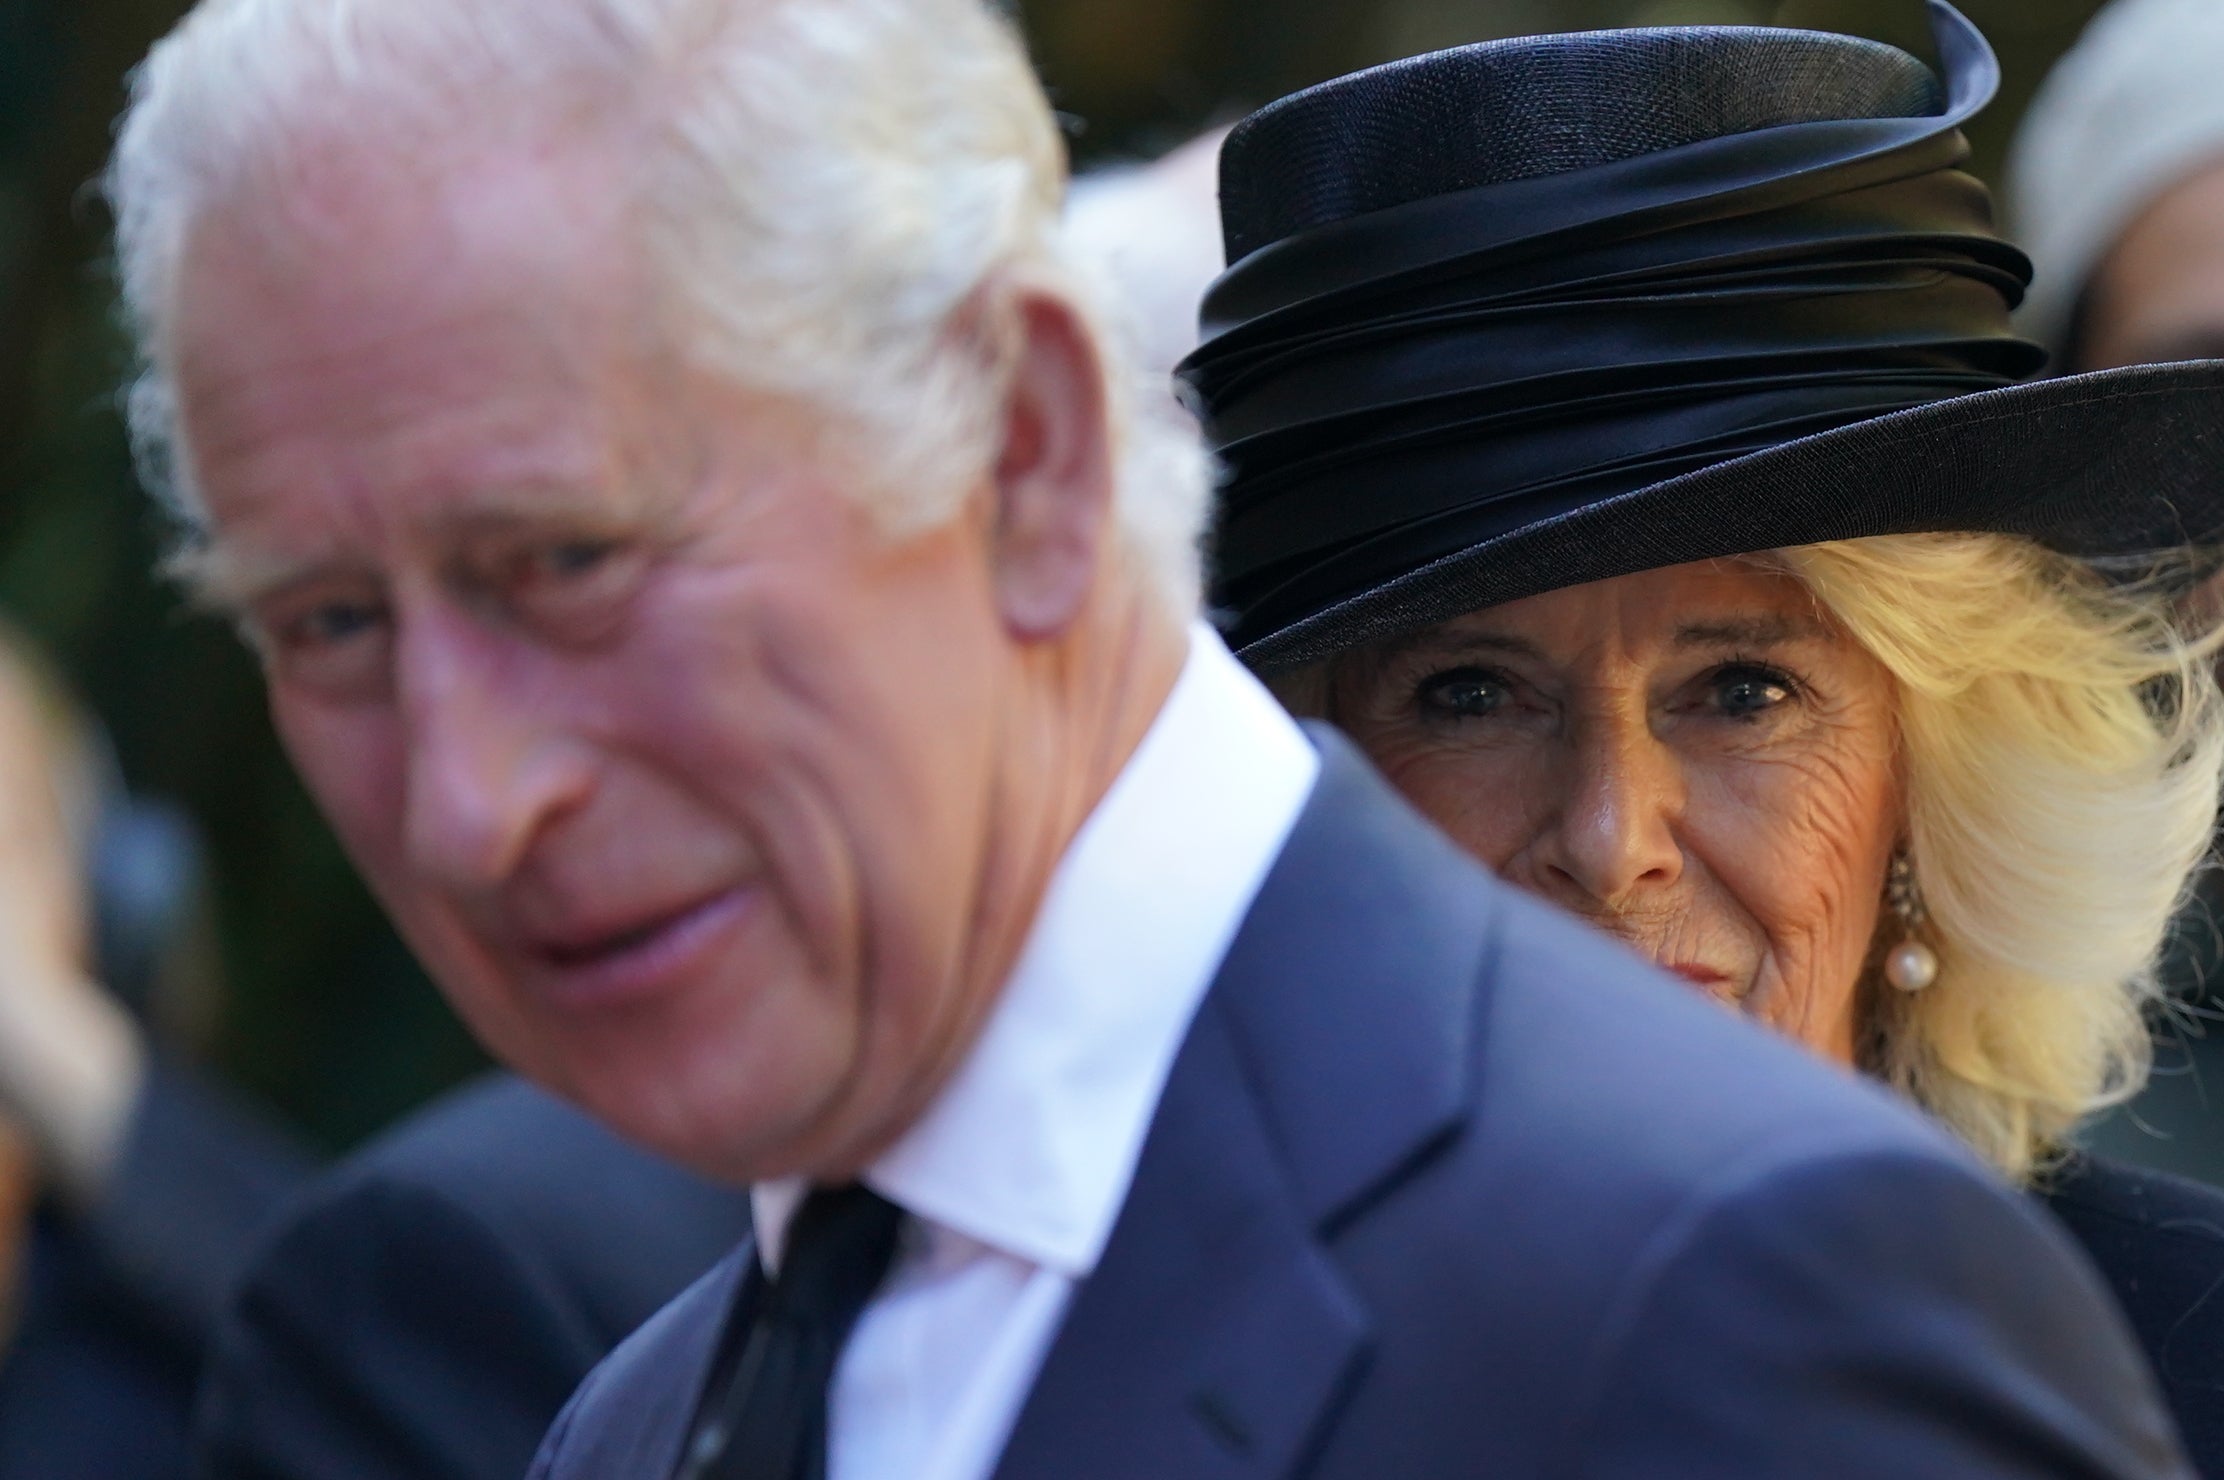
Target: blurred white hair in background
{"points": [[1152, 231], [2133, 109]]}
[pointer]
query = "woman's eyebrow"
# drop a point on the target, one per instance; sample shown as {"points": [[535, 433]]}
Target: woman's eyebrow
{"points": [[1442, 644], [1750, 632]]}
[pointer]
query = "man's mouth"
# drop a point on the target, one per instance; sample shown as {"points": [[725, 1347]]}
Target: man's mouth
{"points": [[636, 954], [589, 949]]}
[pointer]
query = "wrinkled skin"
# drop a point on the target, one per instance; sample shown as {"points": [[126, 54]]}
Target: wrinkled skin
{"points": [[709, 804], [1692, 759]]}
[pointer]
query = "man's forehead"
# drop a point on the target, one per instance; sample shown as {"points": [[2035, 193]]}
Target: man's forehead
{"points": [[478, 350], [356, 219]]}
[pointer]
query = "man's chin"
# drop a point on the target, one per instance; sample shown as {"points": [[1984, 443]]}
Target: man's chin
{"points": [[706, 1111]]}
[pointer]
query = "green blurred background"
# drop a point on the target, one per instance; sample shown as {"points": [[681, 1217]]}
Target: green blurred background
{"points": [[327, 1019]]}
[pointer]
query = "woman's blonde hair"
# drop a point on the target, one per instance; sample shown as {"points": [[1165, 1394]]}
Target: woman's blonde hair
{"points": [[2061, 746], [2061, 739]]}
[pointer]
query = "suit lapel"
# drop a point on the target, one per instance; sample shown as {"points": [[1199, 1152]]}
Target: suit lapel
{"points": [[1213, 1330], [1217, 1336]]}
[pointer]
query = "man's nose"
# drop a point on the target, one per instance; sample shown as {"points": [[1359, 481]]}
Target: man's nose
{"points": [[1614, 835], [487, 769]]}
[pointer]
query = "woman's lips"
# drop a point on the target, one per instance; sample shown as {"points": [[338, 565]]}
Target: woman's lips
{"points": [[639, 959], [1697, 975]]}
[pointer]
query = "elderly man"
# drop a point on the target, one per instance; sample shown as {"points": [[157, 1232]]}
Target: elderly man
{"points": [[426, 1310], [710, 568]]}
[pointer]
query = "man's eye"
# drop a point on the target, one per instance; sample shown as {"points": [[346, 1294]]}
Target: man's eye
{"points": [[1464, 693], [338, 647], [570, 559], [1745, 691], [330, 624], [576, 589]]}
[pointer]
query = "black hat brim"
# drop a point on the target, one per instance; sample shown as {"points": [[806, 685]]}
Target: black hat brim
{"points": [[2114, 463]]}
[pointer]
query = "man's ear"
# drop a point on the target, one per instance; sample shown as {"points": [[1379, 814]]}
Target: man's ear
{"points": [[1054, 477]]}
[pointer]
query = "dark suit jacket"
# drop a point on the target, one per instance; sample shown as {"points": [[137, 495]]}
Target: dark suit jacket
{"points": [[117, 1300], [1444, 1184], [425, 1311], [2158, 1241]]}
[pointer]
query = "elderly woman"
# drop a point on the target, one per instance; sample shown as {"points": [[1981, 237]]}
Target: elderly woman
{"points": [[1624, 447]]}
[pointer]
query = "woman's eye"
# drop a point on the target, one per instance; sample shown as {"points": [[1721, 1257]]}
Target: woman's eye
{"points": [[1464, 693], [1748, 692]]}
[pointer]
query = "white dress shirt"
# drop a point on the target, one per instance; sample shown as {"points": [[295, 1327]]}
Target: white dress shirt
{"points": [[1015, 1174]]}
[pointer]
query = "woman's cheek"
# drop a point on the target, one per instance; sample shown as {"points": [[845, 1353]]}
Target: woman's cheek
{"points": [[1802, 842], [1485, 800]]}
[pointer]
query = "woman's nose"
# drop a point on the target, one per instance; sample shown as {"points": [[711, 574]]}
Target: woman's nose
{"points": [[1613, 837]]}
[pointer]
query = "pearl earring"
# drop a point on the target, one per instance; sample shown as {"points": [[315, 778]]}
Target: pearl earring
{"points": [[1911, 965]]}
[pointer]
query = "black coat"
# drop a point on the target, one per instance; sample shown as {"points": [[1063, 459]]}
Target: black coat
{"points": [[427, 1308], [118, 1299], [2158, 1240]]}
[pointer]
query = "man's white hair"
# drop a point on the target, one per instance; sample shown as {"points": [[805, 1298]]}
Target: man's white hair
{"points": [[835, 196]]}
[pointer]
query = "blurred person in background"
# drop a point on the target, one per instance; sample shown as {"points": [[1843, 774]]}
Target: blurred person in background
{"points": [[2116, 185], [130, 1190], [707, 564], [425, 1309], [1681, 542], [1151, 232]]}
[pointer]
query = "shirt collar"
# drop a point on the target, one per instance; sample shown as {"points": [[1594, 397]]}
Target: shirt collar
{"points": [[1030, 1147]]}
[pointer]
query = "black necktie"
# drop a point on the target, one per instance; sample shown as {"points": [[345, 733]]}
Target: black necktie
{"points": [[763, 1415]]}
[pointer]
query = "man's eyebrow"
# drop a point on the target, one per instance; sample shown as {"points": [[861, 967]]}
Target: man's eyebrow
{"points": [[644, 504], [225, 578], [532, 506], [1751, 632]]}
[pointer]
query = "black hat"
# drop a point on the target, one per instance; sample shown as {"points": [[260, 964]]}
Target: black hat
{"points": [[1531, 313]]}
